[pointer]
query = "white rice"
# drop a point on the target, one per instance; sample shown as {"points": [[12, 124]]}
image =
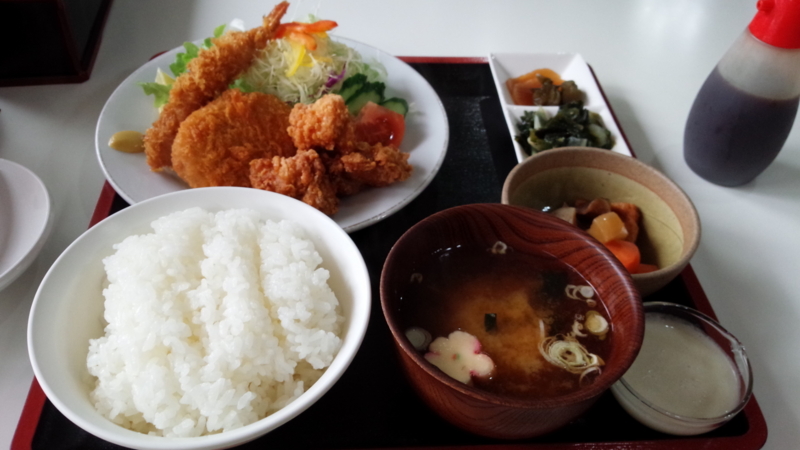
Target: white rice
{"points": [[215, 321]]}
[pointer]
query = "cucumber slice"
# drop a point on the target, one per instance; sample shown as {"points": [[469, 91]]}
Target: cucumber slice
{"points": [[396, 104], [370, 92], [352, 85], [360, 99]]}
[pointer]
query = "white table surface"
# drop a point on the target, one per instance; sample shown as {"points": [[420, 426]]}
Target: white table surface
{"points": [[651, 58]]}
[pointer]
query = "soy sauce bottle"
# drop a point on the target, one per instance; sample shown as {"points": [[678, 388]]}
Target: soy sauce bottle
{"points": [[747, 106]]}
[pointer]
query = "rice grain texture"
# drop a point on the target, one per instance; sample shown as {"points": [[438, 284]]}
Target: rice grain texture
{"points": [[214, 321]]}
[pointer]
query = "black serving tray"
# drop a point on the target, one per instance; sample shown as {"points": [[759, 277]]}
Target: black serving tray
{"points": [[372, 405]]}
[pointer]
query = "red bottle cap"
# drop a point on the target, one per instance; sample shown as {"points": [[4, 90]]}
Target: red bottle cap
{"points": [[777, 23]]}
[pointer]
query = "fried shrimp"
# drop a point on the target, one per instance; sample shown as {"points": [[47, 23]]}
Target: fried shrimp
{"points": [[215, 144], [302, 176], [208, 75]]}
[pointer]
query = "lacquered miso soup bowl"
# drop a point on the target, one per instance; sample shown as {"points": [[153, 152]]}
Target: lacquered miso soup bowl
{"points": [[670, 226], [526, 231]]}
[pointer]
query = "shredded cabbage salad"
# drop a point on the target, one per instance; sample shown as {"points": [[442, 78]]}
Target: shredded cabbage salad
{"points": [[295, 74], [284, 68]]}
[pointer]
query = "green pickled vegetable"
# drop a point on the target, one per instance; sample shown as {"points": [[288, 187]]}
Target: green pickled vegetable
{"points": [[572, 126]]}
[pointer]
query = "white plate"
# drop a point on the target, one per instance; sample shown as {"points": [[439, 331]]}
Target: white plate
{"points": [[426, 140], [25, 219], [570, 66]]}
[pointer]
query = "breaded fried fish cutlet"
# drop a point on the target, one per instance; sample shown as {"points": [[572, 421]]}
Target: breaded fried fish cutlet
{"points": [[302, 176], [215, 144], [209, 74]]}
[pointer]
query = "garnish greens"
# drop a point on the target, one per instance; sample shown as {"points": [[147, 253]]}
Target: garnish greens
{"points": [[161, 87], [300, 66]]}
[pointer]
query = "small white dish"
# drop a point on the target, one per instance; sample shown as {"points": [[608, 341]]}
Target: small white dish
{"points": [[68, 309], [570, 66], [25, 219], [691, 375]]}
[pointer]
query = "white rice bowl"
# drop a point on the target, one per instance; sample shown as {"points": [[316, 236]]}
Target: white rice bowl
{"points": [[224, 342]]}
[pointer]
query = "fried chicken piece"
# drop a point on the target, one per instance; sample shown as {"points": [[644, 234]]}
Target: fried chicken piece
{"points": [[374, 165], [302, 176], [207, 76], [321, 125], [377, 165], [342, 183], [216, 143], [327, 126]]}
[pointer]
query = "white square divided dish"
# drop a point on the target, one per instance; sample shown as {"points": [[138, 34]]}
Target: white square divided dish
{"points": [[570, 66]]}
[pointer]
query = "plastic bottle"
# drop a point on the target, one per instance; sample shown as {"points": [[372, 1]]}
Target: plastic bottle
{"points": [[747, 106]]}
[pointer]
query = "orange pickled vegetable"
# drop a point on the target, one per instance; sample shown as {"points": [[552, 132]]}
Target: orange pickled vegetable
{"points": [[521, 87], [608, 227], [627, 253]]}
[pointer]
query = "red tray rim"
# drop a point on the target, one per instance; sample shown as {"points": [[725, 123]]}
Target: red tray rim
{"points": [[753, 438]]}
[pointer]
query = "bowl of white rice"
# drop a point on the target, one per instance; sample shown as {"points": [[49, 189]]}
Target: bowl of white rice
{"points": [[199, 319]]}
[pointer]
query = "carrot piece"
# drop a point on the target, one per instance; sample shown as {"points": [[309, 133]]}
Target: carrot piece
{"points": [[302, 38], [626, 252], [319, 26]]}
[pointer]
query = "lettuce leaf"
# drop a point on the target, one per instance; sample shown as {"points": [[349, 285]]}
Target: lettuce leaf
{"points": [[217, 33], [159, 91], [242, 85], [182, 59]]}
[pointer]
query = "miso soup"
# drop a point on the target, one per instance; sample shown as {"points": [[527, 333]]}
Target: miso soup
{"points": [[521, 308]]}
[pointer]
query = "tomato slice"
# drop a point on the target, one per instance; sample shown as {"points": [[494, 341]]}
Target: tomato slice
{"points": [[376, 124]]}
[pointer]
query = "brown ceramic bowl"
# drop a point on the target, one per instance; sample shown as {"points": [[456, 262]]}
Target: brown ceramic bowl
{"points": [[670, 228], [530, 232]]}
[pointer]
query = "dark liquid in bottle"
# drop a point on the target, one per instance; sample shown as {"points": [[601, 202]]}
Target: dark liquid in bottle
{"points": [[732, 136]]}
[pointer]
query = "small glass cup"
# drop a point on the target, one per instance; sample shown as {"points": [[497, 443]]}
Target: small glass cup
{"points": [[655, 416]]}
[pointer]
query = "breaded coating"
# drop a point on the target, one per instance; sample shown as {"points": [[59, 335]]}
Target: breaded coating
{"points": [[302, 176], [321, 124], [342, 183], [377, 165], [269, 24], [207, 76], [215, 144]]}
